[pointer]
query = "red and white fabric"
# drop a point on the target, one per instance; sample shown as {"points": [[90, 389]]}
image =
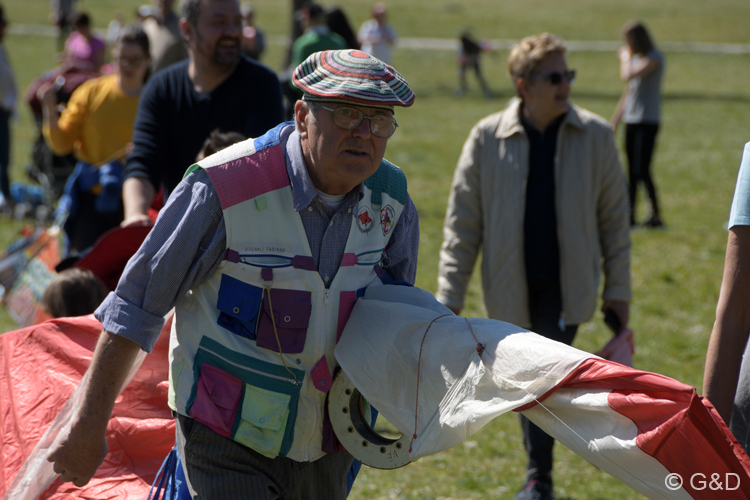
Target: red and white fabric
{"points": [[443, 377]]}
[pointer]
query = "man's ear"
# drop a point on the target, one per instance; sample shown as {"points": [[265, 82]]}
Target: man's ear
{"points": [[186, 29], [300, 114], [521, 87]]}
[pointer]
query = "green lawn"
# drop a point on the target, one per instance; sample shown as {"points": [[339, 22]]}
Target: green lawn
{"points": [[676, 273]]}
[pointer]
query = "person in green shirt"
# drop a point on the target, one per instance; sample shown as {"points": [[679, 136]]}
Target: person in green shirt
{"points": [[316, 37]]}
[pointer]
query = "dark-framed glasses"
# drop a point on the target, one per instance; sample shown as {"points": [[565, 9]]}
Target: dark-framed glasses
{"points": [[556, 78], [382, 126]]}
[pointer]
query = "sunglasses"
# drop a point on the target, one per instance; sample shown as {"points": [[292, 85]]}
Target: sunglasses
{"points": [[556, 78], [382, 126]]}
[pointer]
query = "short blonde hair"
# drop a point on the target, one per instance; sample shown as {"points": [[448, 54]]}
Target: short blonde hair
{"points": [[529, 52]]}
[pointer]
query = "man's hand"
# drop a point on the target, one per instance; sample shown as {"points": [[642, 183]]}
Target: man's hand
{"points": [[80, 450], [137, 220], [78, 453], [620, 308]]}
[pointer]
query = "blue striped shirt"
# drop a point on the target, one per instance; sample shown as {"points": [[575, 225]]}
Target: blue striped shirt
{"points": [[188, 243]]}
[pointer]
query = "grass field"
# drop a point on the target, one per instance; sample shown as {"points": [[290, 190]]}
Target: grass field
{"points": [[676, 273]]}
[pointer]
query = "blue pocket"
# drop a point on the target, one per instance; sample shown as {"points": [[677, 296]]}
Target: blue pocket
{"points": [[238, 304]]}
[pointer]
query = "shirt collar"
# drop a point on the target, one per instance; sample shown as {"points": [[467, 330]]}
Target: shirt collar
{"points": [[510, 123], [320, 29], [303, 190]]}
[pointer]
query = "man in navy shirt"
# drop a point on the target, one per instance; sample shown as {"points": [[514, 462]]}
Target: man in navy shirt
{"points": [[216, 88]]}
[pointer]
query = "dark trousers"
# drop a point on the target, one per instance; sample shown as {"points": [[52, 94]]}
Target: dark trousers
{"points": [[545, 308], [640, 139], [217, 468], [5, 153]]}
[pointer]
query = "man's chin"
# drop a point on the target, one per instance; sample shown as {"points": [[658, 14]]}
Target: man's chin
{"points": [[562, 105], [227, 59]]}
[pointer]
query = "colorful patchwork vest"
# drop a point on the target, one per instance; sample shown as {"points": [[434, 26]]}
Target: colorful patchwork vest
{"points": [[252, 347]]}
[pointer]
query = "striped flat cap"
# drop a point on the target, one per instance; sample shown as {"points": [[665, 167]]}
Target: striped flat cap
{"points": [[351, 76]]}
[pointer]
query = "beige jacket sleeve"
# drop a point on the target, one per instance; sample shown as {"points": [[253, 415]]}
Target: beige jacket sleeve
{"points": [[463, 227], [614, 224]]}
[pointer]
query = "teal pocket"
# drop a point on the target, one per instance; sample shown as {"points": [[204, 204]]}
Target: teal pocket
{"points": [[263, 420], [268, 402]]}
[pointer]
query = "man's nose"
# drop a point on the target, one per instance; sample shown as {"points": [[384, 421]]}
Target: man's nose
{"points": [[363, 129], [233, 29]]}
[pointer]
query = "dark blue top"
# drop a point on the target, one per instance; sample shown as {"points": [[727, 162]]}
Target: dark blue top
{"points": [[541, 249], [174, 120]]}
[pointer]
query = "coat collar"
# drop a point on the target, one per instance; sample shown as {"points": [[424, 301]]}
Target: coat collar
{"points": [[510, 119]]}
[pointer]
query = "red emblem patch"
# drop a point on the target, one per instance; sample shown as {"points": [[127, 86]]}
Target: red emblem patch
{"points": [[365, 222]]}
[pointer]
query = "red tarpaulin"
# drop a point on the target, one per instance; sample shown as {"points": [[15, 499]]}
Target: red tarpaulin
{"points": [[40, 367]]}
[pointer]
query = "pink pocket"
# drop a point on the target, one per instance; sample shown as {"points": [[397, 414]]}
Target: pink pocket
{"points": [[217, 399], [321, 376]]}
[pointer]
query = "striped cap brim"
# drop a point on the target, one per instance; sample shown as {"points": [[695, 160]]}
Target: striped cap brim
{"points": [[351, 76]]}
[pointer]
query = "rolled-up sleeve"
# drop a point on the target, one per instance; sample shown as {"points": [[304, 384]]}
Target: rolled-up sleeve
{"points": [[184, 249]]}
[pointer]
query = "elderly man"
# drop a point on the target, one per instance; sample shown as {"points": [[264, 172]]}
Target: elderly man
{"points": [[540, 188], [263, 250], [216, 88]]}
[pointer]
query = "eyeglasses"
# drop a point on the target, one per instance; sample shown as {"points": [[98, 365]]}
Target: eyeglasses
{"points": [[556, 78], [130, 61], [349, 118]]}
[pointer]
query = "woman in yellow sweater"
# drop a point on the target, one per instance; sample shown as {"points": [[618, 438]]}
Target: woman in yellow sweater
{"points": [[97, 126]]}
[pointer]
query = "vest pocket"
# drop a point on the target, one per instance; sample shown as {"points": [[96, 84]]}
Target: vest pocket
{"points": [[216, 400], [248, 400], [263, 420], [238, 304], [291, 317]]}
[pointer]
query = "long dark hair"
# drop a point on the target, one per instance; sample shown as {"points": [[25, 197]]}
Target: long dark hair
{"points": [[136, 35], [638, 38], [339, 24]]}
